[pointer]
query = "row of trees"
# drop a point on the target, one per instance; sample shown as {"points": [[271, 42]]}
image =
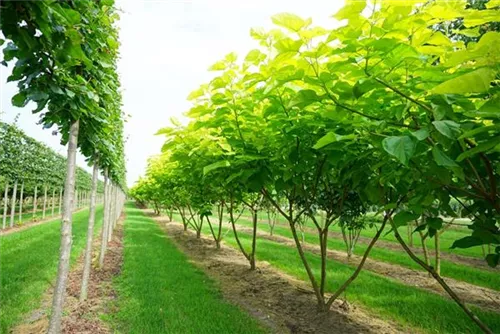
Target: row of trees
{"points": [[32, 176], [386, 111], [64, 55]]}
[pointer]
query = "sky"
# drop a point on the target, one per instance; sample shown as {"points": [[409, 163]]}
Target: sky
{"points": [[166, 49]]}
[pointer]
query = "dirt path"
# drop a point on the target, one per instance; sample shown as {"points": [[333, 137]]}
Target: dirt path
{"points": [[280, 302], [478, 296], [26, 226], [459, 259], [84, 317]]}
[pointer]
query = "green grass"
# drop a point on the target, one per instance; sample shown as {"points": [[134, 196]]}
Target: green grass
{"points": [[447, 238], [160, 291], [387, 298], [27, 217], [28, 265], [476, 276]]}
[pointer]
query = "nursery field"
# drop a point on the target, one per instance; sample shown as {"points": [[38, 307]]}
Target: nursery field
{"points": [[332, 178]]}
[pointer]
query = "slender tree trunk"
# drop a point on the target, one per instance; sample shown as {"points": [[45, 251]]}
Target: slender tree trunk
{"points": [[319, 297], [441, 282], [90, 236], [44, 202], [437, 244], [104, 235], [35, 202], [77, 202], [5, 204], [424, 248], [60, 200], [66, 237], [112, 212], [13, 205], [254, 239], [360, 266], [21, 199], [53, 201]]}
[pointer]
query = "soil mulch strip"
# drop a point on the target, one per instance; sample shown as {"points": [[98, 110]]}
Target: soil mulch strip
{"points": [[84, 317], [281, 302]]}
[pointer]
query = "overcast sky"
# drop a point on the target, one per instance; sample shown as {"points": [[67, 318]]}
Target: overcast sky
{"points": [[166, 48]]}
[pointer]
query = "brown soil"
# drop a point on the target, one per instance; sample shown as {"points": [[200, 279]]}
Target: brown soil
{"points": [[83, 317], [25, 226], [460, 259], [280, 302], [479, 296]]}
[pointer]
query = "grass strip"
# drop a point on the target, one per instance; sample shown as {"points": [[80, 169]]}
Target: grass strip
{"points": [[160, 291], [28, 265]]}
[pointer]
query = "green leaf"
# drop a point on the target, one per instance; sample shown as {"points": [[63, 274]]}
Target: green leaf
{"points": [[434, 222], [19, 100], [352, 9], [477, 81], [289, 21], [362, 87], [484, 146], [442, 159], [421, 134], [449, 129], [467, 242], [215, 165], [493, 260], [401, 147], [403, 217]]}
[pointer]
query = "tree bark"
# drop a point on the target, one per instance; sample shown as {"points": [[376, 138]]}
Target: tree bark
{"points": [[44, 202], [60, 200], [53, 201], [66, 237], [90, 236], [437, 247], [35, 202], [21, 198], [112, 211], [104, 232], [5, 204], [13, 205], [254, 239]]}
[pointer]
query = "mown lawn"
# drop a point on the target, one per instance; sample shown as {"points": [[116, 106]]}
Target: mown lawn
{"points": [[28, 265], [160, 291]]}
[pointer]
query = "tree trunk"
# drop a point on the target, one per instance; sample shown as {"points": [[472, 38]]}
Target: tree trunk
{"points": [[44, 202], [112, 210], [21, 198], [66, 237], [441, 282], [5, 204], [360, 266], [35, 202], [104, 231], [60, 200], [424, 248], [90, 236], [437, 264], [254, 239], [53, 201], [13, 205], [319, 297]]}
